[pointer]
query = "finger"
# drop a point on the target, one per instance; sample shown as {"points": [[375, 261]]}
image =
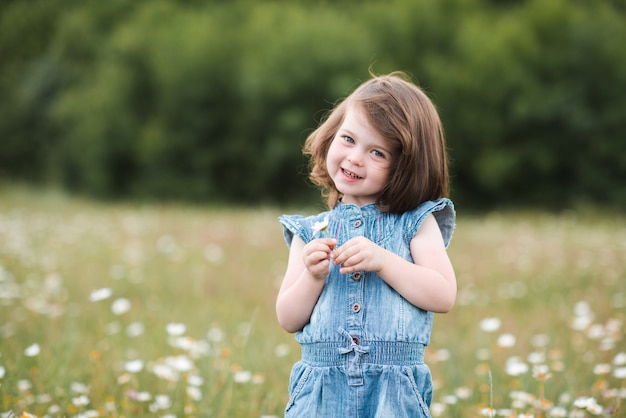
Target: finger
{"points": [[330, 242], [320, 256], [353, 262], [314, 247], [325, 244], [320, 265], [344, 253], [349, 268]]}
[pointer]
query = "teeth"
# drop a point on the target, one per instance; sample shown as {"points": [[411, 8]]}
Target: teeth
{"points": [[350, 174]]}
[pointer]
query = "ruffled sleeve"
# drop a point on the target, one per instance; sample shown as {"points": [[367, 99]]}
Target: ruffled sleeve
{"points": [[300, 226], [442, 210], [293, 225]]}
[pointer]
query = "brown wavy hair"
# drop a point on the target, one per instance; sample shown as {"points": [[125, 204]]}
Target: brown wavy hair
{"points": [[402, 114]]}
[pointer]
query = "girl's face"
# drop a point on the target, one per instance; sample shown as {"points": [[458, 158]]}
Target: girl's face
{"points": [[359, 159]]}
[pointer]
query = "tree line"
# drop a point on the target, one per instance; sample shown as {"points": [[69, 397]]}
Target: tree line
{"points": [[210, 101]]}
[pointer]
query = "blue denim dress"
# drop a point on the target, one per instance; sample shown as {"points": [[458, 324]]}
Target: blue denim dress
{"points": [[363, 349]]}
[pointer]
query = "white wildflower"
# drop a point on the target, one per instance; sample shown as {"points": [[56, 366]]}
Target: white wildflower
{"points": [[80, 388], [120, 306], [540, 340], [24, 385], [506, 340], [488, 412], [557, 412], [32, 350], [619, 359], [536, 357], [242, 376], [195, 380], [134, 366], [176, 329], [515, 366], [620, 373], [81, 400], [602, 368], [282, 350], [541, 372], [100, 294], [215, 334], [320, 226], [135, 329], [490, 324], [194, 393], [144, 396]]}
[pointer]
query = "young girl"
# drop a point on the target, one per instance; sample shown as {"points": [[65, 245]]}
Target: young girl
{"points": [[364, 278]]}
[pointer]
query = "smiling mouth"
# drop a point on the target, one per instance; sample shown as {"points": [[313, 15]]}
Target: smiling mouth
{"points": [[350, 174]]}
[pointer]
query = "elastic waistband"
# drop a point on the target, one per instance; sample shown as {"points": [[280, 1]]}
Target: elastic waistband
{"points": [[372, 352]]}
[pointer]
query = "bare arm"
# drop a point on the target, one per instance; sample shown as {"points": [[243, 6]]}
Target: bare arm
{"points": [[302, 285], [428, 283]]}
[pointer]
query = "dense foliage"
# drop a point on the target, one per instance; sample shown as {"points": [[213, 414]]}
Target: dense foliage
{"points": [[211, 101]]}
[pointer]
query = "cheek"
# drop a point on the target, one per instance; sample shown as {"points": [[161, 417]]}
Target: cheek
{"points": [[384, 174], [331, 156]]}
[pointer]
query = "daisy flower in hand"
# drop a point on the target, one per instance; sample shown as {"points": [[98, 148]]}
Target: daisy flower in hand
{"points": [[320, 227]]}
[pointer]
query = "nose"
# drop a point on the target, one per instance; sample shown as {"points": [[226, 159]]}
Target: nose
{"points": [[355, 159]]}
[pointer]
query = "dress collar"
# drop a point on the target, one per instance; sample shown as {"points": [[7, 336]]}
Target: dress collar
{"points": [[350, 208]]}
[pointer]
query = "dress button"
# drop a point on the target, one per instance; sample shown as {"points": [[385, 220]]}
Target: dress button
{"points": [[358, 223], [356, 308], [356, 276]]}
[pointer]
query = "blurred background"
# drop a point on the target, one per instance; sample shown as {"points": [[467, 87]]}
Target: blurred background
{"points": [[168, 308], [211, 101]]}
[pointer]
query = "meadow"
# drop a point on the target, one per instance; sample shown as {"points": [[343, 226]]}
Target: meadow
{"points": [[167, 310]]}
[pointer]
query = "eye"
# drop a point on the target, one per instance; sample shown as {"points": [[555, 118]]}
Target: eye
{"points": [[348, 139], [378, 154]]}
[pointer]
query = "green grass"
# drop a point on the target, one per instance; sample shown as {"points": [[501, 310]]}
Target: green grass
{"points": [[555, 284]]}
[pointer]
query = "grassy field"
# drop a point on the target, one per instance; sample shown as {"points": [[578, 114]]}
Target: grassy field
{"points": [[125, 310]]}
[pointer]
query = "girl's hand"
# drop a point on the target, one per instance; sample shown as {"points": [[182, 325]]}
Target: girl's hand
{"points": [[359, 254], [316, 256]]}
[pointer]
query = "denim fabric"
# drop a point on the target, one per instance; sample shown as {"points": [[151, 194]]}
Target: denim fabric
{"points": [[362, 351]]}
